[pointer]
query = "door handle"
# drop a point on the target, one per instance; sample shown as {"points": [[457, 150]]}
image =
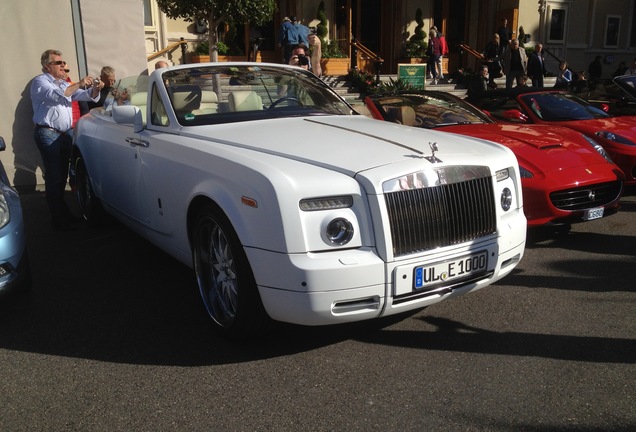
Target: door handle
{"points": [[137, 142]]}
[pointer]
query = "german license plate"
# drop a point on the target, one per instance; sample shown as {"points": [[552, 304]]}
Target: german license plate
{"points": [[594, 213], [434, 274]]}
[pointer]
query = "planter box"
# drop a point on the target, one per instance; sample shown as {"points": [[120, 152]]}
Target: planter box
{"points": [[196, 58], [335, 66]]}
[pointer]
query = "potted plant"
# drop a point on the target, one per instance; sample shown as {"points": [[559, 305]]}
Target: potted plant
{"points": [[333, 61], [414, 49], [201, 53]]}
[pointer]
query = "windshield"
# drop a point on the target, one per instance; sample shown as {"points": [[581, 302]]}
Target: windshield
{"points": [[239, 92], [560, 106], [627, 83], [128, 91], [428, 110]]}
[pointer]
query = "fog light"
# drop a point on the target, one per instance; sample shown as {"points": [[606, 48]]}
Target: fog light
{"points": [[506, 199], [339, 231]]}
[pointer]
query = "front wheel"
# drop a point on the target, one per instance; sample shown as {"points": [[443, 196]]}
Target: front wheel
{"points": [[225, 278]]}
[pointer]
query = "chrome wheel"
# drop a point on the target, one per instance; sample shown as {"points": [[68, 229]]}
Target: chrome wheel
{"points": [[224, 276]]}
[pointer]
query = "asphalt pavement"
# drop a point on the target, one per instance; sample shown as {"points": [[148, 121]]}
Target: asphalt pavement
{"points": [[113, 337]]}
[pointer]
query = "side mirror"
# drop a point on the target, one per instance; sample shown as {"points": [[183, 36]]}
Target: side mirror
{"points": [[129, 114], [515, 115]]}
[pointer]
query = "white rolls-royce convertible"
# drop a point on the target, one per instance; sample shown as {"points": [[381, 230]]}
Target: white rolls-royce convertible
{"points": [[288, 204]]}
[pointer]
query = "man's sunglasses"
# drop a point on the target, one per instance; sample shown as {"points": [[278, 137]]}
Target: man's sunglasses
{"points": [[57, 63]]}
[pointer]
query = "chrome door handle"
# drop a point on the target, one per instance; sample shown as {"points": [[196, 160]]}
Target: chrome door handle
{"points": [[137, 142]]}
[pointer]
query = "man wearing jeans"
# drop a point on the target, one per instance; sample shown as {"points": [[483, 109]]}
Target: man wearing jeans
{"points": [[52, 97]]}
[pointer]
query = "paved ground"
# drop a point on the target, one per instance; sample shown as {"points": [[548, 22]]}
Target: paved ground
{"points": [[113, 338]]}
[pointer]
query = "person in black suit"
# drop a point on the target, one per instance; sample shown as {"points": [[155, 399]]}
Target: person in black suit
{"points": [[536, 66], [478, 84]]}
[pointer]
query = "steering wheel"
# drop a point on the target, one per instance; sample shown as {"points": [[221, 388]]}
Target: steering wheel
{"points": [[285, 98]]}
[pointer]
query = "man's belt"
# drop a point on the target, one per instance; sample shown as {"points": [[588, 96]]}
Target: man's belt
{"points": [[39, 126]]}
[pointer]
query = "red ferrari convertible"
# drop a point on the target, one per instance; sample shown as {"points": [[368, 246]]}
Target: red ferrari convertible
{"points": [[566, 176], [617, 134]]}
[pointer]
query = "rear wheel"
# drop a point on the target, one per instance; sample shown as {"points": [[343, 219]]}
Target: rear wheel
{"points": [[89, 204], [225, 278]]}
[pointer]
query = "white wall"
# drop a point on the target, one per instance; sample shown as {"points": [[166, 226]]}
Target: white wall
{"points": [[112, 34]]}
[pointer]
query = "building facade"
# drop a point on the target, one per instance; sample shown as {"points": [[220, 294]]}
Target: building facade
{"points": [[132, 34]]}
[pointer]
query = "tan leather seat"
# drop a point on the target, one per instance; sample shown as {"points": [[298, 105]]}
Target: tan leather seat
{"points": [[245, 100], [209, 103], [140, 99], [406, 115], [186, 99]]}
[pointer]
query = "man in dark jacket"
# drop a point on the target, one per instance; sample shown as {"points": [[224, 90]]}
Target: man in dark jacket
{"points": [[536, 66], [477, 84], [594, 72]]}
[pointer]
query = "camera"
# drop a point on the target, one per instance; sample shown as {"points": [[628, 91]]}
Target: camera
{"points": [[96, 82], [303, 60]]}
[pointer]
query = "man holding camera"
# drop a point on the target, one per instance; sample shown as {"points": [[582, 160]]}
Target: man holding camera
{"points": [[52, 97], [302, 57], [107, 77]]}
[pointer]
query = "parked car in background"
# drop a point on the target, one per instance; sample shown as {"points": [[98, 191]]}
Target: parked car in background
{"points": [[617, 134], [616, 96], [14, 262], [566, 177], [290, 206]]}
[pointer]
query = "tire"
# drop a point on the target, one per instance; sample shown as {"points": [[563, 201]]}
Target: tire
{"points": [[89, 204], [225, 278]]}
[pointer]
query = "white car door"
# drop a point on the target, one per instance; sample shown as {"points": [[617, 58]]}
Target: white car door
{"points": [[121, 166]]}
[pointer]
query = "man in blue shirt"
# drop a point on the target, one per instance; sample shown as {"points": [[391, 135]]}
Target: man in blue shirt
{"points": [[303, 32], [52, 97], [288, 37]]}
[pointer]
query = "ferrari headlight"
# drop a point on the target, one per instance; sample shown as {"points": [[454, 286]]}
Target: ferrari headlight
{"points": [[611, 136], [524, 173], [599, 148], [339, 231], [5, 213]]}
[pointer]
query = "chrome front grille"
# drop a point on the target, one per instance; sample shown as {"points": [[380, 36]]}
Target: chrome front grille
{"points": [[438, 216], [587, 197]]}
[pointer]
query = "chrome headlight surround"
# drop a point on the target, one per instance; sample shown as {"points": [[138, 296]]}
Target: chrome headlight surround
{"points": [[506, 199], [5, 212], [506, 184], [337, 223], [339, 231]]}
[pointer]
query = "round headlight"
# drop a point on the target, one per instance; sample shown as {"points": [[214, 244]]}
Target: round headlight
{"points": [[506, 199], [339, 231]]}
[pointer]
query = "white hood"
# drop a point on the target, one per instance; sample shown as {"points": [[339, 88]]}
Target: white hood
{"points": [[351, 144]]}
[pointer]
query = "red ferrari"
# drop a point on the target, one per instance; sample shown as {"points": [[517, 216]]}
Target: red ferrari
{"points": [[566, 177], [617, 134]]}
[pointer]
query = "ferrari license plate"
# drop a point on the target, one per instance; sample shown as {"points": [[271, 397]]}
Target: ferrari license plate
{"points": [[434, 274], [594, 213]]}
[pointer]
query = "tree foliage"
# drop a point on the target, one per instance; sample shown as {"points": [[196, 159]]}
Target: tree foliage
{"points": [[216, 12]]}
